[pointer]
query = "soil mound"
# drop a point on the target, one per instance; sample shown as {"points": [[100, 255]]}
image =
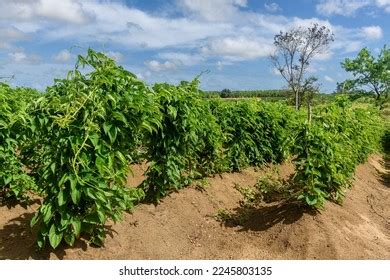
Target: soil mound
{"points": [[183, 225]]}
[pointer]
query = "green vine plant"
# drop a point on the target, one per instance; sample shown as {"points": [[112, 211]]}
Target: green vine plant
{"points": [[188, 143], [88, 127], [329, 149], [15, 183]]}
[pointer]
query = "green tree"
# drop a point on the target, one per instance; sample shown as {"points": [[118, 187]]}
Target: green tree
{"points": [[294, 51], [369, 71]]}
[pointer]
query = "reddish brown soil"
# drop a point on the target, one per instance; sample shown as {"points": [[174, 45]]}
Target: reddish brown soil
{"points": [[183, 226]]}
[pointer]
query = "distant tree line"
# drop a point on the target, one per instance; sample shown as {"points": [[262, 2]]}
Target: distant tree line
{"points": [[273, 93]]}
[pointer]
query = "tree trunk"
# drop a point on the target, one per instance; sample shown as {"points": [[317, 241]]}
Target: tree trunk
{"points": [[296, 100], [377, 92]]}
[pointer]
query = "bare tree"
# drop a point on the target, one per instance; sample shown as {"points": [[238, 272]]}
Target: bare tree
{"points": [[294, 52]]}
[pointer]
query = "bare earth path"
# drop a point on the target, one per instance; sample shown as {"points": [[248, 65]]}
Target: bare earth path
{"points": [[183, 226]]}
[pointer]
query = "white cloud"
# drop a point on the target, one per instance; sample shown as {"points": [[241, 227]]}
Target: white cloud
{"points": [[62, 56], [182, 58], [245, 34], [326, 55], [340, 7], [215, 10], [218, 32], [275, 71], [372, 32], [9, 35], [22, 57], [71, 11], [272, 7], [111, 24], [238, 48], [384, 4], [328, 79], [157, 66], [117, 56], [221, 64]]}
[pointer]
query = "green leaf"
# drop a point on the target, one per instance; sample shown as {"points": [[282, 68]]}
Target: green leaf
{"points": [[76, 224], [106, 127], [60, 198], [35, 219], [69, 238], [47, 212], [53, 167], [120, 117], [54, 237], [74, 192]]}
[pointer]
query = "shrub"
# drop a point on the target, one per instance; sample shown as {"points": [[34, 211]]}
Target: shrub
{"points": [[188, 143], [88, 126], [328, 150], [14, 181]]}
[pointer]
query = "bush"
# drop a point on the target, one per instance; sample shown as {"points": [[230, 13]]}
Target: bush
{"points": [[88, 126], [254, 132], [188, 143], [14, 181], [328, 150]]}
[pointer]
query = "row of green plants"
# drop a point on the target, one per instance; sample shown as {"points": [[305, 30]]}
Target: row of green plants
{"points": [[14, 119], [328, 149], [227, 93], [72, 145]]}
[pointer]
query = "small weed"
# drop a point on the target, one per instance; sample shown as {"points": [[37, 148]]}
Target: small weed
{"points": [[202, 184], [223, 215]]}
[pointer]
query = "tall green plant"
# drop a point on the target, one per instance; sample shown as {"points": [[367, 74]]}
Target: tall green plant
{"points": [[186, 145], [14, 181], [88, 126], [254, 132], [329, 149]]}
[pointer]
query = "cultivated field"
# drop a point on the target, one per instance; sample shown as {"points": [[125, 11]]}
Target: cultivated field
{"points": [[106, 166]]}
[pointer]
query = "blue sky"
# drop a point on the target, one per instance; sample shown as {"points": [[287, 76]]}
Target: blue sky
{"points": [[178, 39]]}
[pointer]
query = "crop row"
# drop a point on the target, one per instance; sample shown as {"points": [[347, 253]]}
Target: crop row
{"points": [[73, 145]]}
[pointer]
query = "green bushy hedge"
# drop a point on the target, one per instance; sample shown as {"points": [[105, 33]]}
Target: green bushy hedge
{"points": [[329, 149], [14, 181], [87, 126], [254, 132], [79, 137], [186, 145]]}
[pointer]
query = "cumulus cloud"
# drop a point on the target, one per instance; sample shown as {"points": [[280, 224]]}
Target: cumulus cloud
{"points": [[143, 31], [117, 56], [372, 32], [384, 4], [349, 7], [245, 34], [328, 79], [238, 48], [71, 11], [340, 7], [62, 56], [22, 57], [215, 10], [10, 34], [218, 32], [157, 66], [272, 7], [182, 58]]}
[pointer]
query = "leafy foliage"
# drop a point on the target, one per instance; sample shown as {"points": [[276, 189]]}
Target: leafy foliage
{"points": [[294, 51], [14, 182], [254, 132], [88, 126], [186, 145], [328, 150], [369, 71], [78, 138]]}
